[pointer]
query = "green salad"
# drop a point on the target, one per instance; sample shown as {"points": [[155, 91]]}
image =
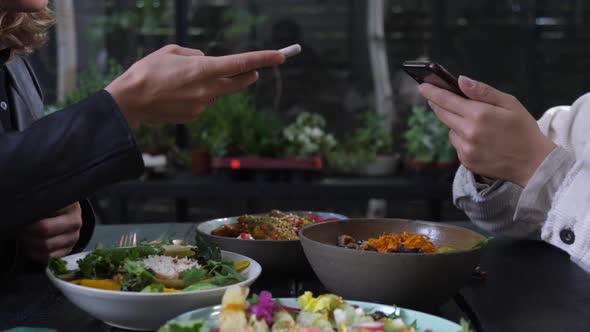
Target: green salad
{"points": [[152, 267]]}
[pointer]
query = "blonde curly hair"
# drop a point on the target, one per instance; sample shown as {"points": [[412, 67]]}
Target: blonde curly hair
{"points": [[24, 32]]}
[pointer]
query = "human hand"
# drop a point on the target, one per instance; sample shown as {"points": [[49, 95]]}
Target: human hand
{"points": [[54, 236], [495, 136], [175, 84]]}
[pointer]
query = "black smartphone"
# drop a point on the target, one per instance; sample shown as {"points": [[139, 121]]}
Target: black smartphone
{"points": [[433, 73]]}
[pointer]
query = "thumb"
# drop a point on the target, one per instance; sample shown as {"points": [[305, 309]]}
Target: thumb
{"points": [[482, 92], [67, 209]]}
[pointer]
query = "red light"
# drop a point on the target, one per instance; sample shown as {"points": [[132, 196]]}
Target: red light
{"points": [[318, 163], [235, 164]]}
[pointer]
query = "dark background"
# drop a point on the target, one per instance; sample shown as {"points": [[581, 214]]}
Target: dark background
{"points": [[534, 49]]}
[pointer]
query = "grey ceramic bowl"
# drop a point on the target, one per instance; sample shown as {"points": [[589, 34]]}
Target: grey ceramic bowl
{"points": [[275, 256], [412, 280]]}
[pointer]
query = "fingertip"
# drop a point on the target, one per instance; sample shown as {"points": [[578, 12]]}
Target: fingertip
{"points": [[466, 83], [421, 88]]}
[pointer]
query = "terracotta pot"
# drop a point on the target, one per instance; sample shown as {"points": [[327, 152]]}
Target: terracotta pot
{"points": [[156, 151], [201, 162], [412, 163], [448, 165]]}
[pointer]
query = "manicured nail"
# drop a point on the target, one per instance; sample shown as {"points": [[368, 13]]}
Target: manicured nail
{"points": [[467, 82], [257, 75]]}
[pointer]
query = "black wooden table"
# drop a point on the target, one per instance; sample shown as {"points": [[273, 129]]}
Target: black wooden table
{"points": [[530, 286]]}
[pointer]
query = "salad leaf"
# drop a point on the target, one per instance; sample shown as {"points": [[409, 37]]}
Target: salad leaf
{"points": [[478, 245], [482, 243], [193, 275], [185, 326], [102, 263], [153, 288], [254, 299], [206, 251], [199, 286], [222, 273], [137, 277], [224, 280], [57, 265], [465, 326]]}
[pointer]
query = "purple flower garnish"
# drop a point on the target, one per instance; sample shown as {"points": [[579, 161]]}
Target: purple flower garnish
{"points": [[265, 307]]}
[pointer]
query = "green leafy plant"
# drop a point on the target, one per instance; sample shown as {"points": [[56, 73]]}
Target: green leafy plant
{"points": [[155, 136], [146, 17], [306, 136], [372, 135], [89, 83], [363, 146], [422, 134], [427, 138], [446, 151], [213, 130], [233, 126]]}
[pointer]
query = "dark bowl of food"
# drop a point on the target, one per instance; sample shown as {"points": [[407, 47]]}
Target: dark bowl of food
{"points": [[272, 239], [416, 264]]}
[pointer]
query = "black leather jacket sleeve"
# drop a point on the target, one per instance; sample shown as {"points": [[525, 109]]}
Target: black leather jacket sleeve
{"points": [[64, 157]]}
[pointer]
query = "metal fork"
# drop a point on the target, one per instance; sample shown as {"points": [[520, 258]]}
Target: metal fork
{"points": [[128, 240]]}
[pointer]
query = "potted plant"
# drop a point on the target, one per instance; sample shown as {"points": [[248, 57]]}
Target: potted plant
{"points": [[306, 137], [155, 143], [445, 151], [374, 137], [421, 138], [367, 151], [211, 135]]}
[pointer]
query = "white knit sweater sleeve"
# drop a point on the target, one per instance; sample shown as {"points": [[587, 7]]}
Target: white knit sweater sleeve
{"points": [[555, 200]]}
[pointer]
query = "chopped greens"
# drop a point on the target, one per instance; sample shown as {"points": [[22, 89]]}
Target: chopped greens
{"points": [[153, 288], [58, 266], [193, 275], [137, 276], [482, 243], [152, 267], [185, 326], [206, 251], [465, 326]]}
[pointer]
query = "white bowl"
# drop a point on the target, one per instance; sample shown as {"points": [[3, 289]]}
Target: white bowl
{"points": [[144, 311]]}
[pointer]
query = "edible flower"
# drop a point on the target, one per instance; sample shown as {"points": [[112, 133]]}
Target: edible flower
{"points": [[265, 307], [322, 303]]}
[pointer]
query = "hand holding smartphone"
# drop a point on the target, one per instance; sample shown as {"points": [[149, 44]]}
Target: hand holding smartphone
{"points": [[433, 73]]}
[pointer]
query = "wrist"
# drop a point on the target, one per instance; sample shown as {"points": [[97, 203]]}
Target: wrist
{"points": [[537, 157], [121, 91]]}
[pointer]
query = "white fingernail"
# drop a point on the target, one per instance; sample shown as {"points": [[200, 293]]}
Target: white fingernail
{"points": [[290, 51]]}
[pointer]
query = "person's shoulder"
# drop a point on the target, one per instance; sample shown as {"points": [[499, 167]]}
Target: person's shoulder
{"points": [[568, 126]]}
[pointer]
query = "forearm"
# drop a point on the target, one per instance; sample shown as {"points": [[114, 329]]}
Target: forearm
{"points": [[63, 158]]}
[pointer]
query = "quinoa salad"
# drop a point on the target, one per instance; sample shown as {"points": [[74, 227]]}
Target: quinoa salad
{"points": [[153, 268]]}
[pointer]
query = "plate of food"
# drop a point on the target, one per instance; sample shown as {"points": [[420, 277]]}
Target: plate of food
{"points": [[140, 288], [307, 313], [422, 263], [272, 239]]}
